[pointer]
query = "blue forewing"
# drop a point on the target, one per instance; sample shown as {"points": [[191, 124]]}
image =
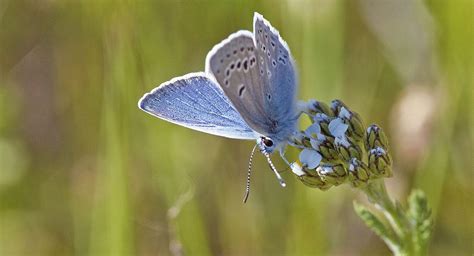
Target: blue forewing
{"points": [[195, 101]]}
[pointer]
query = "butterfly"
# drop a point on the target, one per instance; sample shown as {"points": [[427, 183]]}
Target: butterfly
{"points": [[248, 91]]}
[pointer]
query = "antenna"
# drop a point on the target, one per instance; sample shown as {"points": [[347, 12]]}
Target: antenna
{"points": [[247, 189], [280, 179]]}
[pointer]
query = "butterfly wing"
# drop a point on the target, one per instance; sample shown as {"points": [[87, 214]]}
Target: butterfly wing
{"points": [[195, 101], [256, 73], [280, 87], [234, 64]]}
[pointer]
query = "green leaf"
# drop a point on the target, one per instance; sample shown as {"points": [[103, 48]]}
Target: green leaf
{"points": [[377, 226], [419, 214]]}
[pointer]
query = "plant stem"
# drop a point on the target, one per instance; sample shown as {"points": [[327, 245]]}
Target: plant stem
{"points": [[377, 195]]}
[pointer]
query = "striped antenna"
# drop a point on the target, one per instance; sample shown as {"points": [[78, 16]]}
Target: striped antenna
{"points": [[247, 189], [280, 179]]}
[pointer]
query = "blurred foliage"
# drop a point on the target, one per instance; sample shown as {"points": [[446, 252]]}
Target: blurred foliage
{"points": [[83, 171]]}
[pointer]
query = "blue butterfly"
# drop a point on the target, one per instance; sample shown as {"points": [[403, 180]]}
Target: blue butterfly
{"points": [[248, 91]]}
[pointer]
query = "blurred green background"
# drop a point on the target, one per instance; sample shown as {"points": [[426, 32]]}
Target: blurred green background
{"points": [[84, 172]]}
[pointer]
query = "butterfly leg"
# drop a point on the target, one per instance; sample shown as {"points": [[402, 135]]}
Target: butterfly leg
{"points": [[282, 155], [303, 107]]}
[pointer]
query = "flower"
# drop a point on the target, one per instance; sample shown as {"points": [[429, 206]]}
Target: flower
{"points": [[337, 149], [310, 158], [310, 179], [332, 173], [380, 162], [358, 172], [375, 137], [313, 107]]}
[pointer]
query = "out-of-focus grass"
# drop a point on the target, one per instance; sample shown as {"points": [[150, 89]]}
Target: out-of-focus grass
{"points": [[83, 171]]}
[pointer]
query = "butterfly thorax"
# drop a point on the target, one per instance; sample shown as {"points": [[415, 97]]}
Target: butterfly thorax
{"points": [[280, 133]]}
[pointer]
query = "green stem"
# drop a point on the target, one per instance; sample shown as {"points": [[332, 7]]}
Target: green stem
{"points": [[377, 194]]}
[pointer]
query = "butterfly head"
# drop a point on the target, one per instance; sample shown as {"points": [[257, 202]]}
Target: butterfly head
{"points": [[266, 144]]}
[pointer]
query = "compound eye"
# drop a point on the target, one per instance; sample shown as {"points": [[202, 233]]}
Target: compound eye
{"points": [[267, 142]]}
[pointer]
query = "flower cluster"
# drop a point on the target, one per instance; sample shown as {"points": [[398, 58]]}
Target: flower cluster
{"points": [[337, 148]]}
